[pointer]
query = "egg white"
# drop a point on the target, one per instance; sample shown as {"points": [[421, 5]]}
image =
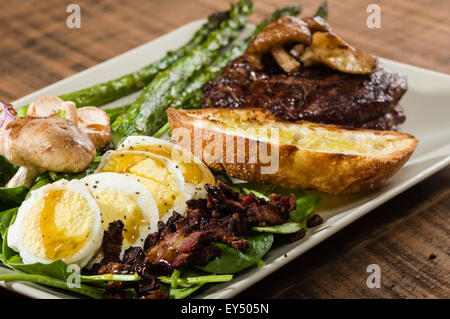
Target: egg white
{"points": [[179, 203], [15, 236], [192, 190], [137, 191]]}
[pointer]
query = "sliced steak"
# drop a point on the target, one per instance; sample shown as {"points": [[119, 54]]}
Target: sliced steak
{"points": [[314, 94]]}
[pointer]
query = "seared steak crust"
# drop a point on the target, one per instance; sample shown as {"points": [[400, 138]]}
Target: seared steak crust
{"points": [[314, 94]]}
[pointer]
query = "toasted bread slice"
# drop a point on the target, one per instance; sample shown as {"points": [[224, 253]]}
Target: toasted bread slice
{"points": [[328, 158]]}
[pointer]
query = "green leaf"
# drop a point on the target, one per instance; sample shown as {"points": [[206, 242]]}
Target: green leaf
{"points": [[305, 206], [22, 111], [247, 191], [232, 260], [40, 181], [7, 252], [181, 293], [6, 218], [298, 218], [283, 229], [53, 176], [86, 290], [56, 269], [322, 11], [265, 190], [61, 113], [12, 197], [7, 170]]}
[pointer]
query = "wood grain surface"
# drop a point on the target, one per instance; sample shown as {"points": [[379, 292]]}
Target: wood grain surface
{"points": [[402, 236]]}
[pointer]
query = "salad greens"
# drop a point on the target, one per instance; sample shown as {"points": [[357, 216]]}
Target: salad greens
{"points": [[181, 293], [283, 229], [182, 286], [90, 291], [7, 170], [305, 206], [11, 197], [298, 218], [233, 260]]}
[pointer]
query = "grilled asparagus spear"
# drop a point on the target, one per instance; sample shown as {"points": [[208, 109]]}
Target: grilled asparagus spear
{"points": [[190, 96], [115, 112], [146, 114], [194, 85], [109, 91]]}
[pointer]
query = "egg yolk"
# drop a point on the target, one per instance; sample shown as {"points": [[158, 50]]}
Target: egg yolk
{"points": [[153, 174], [58, 225], [190, 170], [115, 205]]}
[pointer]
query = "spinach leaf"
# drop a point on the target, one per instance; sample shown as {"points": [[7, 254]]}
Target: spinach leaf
{"points": [[233, 260], [6, 218], [7, 252], [12, 197], [56, 269], [7, 170], [86, 290], [267, 189], [283, 229], [298, 218], [40, 181], [69, 176], [305, 206]]}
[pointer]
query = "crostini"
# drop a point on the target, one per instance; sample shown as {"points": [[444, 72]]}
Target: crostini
{"points": [[251, 144]]}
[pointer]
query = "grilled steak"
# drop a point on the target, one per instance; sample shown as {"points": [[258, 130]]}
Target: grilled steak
{"points": [[314, 94]]}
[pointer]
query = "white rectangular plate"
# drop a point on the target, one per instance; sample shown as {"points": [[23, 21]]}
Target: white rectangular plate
{"points": [[428, 118]]}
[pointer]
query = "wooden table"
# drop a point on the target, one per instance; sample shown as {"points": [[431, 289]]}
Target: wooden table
{"points": [[402, 236]]}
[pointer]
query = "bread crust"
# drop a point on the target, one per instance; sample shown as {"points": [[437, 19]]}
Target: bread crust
{"points": [[334, 173]]}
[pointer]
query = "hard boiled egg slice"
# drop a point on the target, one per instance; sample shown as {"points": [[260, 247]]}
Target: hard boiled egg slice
{"points": [[159, 175], [58, 221], [196, 173], [121, 197]]}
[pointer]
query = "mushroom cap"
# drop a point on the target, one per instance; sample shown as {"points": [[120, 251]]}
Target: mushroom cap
{"points": [[51, 143], [317, 24], [329, 49], [96, 124], [285, 30], [48, 106]]}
